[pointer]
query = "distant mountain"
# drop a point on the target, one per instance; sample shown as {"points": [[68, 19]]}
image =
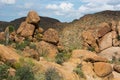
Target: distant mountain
{"points": [[45, 23]]}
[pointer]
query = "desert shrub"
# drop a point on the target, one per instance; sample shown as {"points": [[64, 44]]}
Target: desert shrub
{"points": [[13, 78], [52, 74], [78, 71], [62, 57], [21, 46], [11, 29], [40, 76], [3, 71], [90, 48], [25, 73], [32, 46], [118, 37]]}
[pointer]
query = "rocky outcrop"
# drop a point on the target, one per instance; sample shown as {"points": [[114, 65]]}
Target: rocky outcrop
{"points": [[32, 17], [103, 29], [28, 30], [46, 49], [51, 35], [31, 53], [116, 68], [2, 36], [107, 40], [102, 69], [110, 53], [30, 25]]}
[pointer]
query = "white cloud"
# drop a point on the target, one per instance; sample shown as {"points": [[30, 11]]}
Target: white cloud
{"points": [[62, 6], [26, 6], [8, 1], [66, 6], [52, 6]]}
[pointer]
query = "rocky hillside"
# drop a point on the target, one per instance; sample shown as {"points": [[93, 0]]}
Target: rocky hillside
{"points": [[73, 52], [71, 33]]}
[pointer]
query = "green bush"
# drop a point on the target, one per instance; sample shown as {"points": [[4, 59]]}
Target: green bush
{"points": [[90, 48], [25, 73], [62, 57], [11, 29], [118, 37], [52, 74], [3, 71], [21, 46], [32, 46], [78, 71], [40, 76]]}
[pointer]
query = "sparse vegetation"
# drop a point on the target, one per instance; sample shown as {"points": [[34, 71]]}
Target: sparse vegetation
{"points": [[22, 45], [52, 74], [90, 48], [78, 71], [62, 57], [11, 28], [25, 73], [118, 37], [115, 60], [3, 71]]}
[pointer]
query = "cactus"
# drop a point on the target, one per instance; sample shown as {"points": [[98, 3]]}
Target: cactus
{"points": [[7, 33]]}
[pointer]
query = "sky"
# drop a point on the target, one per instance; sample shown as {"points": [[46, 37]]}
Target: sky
{"points": [[63, 10]]}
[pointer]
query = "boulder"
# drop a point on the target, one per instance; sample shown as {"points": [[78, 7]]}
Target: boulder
{"points": [[114, 25], [87, 69], [2, 36], [93, 59], [31, 53], [116, 79], [21, 27], [110, 53], [116, 68], [46, 49], [11, 72], [26, 29], [102, 69], [103, 29], [88, 36], [106, 40], [32, 17], [51, 35]]}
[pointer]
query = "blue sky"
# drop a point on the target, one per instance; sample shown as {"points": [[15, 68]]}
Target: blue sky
{"points": [[63, 10]]}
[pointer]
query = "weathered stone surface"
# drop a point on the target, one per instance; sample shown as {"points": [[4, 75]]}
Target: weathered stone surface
{"points": [[116, 68], [118, 28], [51, 35], [31, 53], [88, 71], [88, 36], [110, 53], [2, 36], [28, 30], [46, 49], [21, 27], [106, 40], [32, 17], [90, 58], [103, 29], [114, 25], [102, 69]]}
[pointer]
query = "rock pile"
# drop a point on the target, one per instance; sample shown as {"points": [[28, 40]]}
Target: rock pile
{"points": [[104, 39]]}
